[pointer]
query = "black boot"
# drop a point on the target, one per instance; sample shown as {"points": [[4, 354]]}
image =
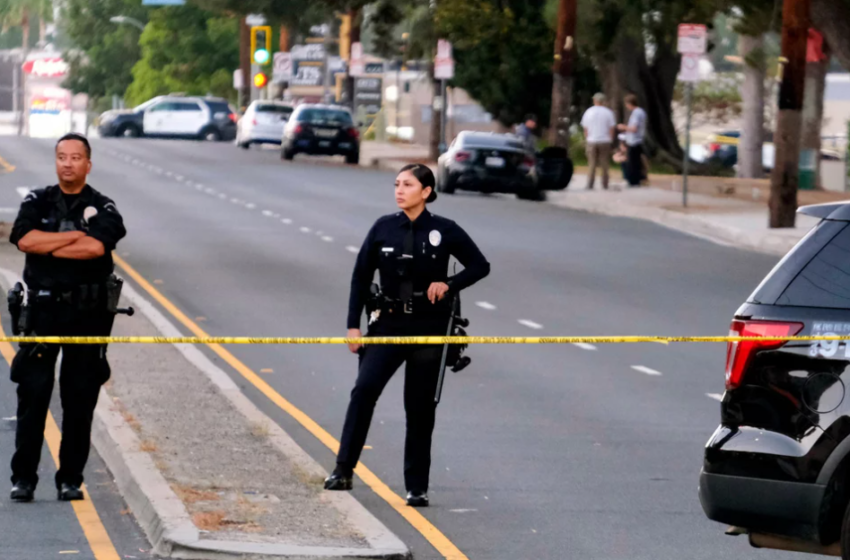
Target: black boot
{"points": [[339, 480], [23, 492], [417, 499], [70, 493]]}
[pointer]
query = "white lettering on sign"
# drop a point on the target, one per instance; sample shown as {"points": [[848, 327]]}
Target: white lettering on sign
{"points": [[307, 76], [308, 52], [46, 67]]}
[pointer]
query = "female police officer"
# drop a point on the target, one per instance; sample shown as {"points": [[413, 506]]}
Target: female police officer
{"points": [[411, 249]]}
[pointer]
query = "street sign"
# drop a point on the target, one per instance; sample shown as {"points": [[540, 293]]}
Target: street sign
{"points": [[238, 81], [689, 70], [282, 67], [693, 39], [255, 20], [444, 64], [356, 65], [308, 52], [374, 67], [367, 97]]}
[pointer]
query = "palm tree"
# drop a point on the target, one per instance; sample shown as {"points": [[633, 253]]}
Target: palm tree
{"points": [[17, 13]]}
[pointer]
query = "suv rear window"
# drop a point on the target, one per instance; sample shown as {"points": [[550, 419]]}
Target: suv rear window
{"points": [[279, 109], [219, 107], [825, 280], [326, 116]]}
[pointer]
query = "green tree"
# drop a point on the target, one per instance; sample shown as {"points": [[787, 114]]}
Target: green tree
{"points": [[104, 53], [186, 49], [20, 13]]}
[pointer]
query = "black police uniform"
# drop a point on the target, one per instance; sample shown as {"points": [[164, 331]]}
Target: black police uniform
{"points": [[66, 298], [410, 257]]}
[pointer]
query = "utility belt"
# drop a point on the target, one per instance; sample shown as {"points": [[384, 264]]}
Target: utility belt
{"points": [[84, 297], [381, 306]]}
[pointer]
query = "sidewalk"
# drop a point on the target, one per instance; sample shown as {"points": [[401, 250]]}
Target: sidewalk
{"points": [[204, 471], [724, 210]]}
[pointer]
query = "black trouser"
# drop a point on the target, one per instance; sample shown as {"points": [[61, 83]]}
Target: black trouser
{"points": [[83, 371], [377, 366], [634, 165]]}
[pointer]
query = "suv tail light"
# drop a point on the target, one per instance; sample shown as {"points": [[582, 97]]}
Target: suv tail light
{"points": [[254, 122], [354, 133], [740, 354], [299, 129], [234, 117], [463, 156], [713, 147]]}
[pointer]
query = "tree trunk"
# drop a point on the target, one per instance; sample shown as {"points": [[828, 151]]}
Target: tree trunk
{"points": [[434, 140], [813, 109], [562, 74], [356, 24], [245, 62], [785, 177], [750, 159]]}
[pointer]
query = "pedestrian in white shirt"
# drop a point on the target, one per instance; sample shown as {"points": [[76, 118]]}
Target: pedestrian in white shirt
{"points": [[599, 124], [635, 134]]}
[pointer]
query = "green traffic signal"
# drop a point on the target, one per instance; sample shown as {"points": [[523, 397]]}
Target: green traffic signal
{"points": [[261, 56]]}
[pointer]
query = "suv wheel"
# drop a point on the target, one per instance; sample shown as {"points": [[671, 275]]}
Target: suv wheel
{"points": [[534, 195], [287, 154], [353, 159], [444, 184], [211, 135], [129, 131]]}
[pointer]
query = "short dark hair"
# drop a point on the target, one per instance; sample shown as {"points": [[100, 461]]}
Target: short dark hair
{"points": [[79, 138], [425, 176], [531, 117], [632, 99]]}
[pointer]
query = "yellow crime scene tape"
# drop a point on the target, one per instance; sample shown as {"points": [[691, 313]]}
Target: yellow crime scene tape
{"points": [[407, 340]]}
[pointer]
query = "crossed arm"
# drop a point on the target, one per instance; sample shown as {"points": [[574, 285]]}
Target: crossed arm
{"points": [[75, 245]]}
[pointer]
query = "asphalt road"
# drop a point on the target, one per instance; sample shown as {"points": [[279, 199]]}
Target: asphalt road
{"points": [[540, 452]]}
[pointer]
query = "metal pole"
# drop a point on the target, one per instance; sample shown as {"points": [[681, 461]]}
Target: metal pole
{"points": [[444, 110], [687, 159], [326, 79]]}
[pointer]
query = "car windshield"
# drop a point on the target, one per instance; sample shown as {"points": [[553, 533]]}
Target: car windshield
{"points": [[145, 105], [326, 116]]}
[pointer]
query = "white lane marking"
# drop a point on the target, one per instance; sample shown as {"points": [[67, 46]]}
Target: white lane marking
{"points": [[235, 200], [23, 191], [199, 188], [209, 190], [222, 196], [179, 177], [715, 396], [250, 206], [585, 346], [646, 370], [328, 239], [268, 213], [286, 221], [485, 305], [530, 324], [10, 418], [463, 510], [168, 173], [8, 210], [305, 230], [352, 249]]}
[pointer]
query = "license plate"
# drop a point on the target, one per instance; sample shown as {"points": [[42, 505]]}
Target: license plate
{"points": [[494, 162], [325, 144], [326, 133]]}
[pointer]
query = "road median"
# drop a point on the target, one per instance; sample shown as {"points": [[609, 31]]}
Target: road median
{"points": [[206, 473]]}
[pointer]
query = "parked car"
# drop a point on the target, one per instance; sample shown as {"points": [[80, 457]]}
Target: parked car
{"points": [[778, 465], [263, 123], [488, 163], [204, 118], [722, 147], [316, 129]]}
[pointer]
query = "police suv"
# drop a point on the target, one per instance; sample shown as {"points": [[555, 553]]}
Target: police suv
{"points": [[173, 116], [778, 466]]}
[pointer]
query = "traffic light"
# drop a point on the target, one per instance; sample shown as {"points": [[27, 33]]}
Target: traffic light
{"points": [[261, 45], [260, 80], [345, 36]]}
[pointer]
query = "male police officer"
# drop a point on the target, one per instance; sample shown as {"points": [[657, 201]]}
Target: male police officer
{"points": [[68, 232]]}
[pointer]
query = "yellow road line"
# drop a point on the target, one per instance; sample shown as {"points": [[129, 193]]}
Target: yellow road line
{"points": [[434, 536], [93, 528], [6, 165]]}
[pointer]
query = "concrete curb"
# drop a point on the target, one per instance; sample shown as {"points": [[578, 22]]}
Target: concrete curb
{"points": [[162, 515], [695, 225]]}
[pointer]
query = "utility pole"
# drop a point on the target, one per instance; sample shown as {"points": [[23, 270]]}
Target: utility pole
{"points": [[354, 24], [437, 103], [245, 61], [785, 177], [562, 74]]}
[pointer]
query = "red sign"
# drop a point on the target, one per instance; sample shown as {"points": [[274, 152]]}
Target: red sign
{"points": [[46, 67], [692, 39], [814, 51]]}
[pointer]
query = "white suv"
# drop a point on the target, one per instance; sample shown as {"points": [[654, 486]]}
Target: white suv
{"points": [[263, 123], [206, 118]]}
